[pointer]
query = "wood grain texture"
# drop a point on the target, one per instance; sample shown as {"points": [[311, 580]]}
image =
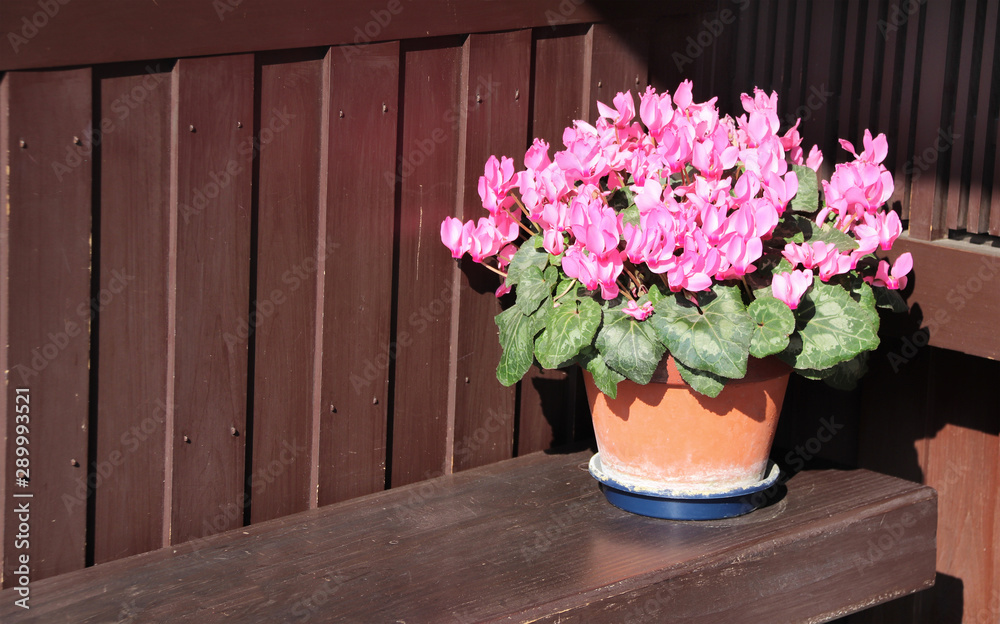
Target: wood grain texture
{"points": [[79, 33], [821, 76], [978, 190], [498, 92], [957, 289], [966, 96], [289, 264], [536, 536], [46, 230], [902, 105], [435, 111], [214, 151], [963, 464], [134, 238], [358, 348], [561, 64], [932, 153], [47, 307], [620, 57]]}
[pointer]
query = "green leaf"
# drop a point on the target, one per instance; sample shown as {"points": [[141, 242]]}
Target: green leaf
{"points": [[843, 376], [799, 229], [605, 379], [517, 334], [529, 255], [807, 197], [831, 327], [715, 338], [774, 323], [569, 327], [534, 287], [890, 299], [629, 346], [701, 381], [631, 215]]}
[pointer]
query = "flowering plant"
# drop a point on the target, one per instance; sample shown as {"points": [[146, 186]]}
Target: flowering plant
{"points": [[703, 236]]}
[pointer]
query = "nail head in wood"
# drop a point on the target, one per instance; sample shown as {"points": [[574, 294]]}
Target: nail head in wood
{"points": [[191, 128], [74, 463], [234, 431], [77, 141], [385, 109], [341, 114], [23, 144], [375, 401], [239, 124], [187, 440]]}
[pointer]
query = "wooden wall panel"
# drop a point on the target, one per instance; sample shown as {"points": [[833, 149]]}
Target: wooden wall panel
{"points": [[290, 258], [214, 100], [358, 348], [435, 112], [901, 106], [620, 59], [929, 184], [820, 82], [546, 405], [557, 93], [966, 96], [979, 191], [46, 224], [498, 92], [134, 245]]}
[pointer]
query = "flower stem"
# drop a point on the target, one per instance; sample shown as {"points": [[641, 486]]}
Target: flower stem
{"points": [[635, 280], [494, 269], [568, 288], [527, 214], [625, 291]]}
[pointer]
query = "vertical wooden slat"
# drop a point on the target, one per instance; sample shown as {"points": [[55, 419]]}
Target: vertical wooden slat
{"points": [[422, 426], [289, 257], [783, 52], [994, 207], [763, 57], [854, 44], [546, 407], [132, 305], [557, 93], [871, 78], [214, 126], [978, 192], [620, 63], [498, 87], [676, 55], [819, 88], [902, 105], [797, 79], [358, 348], [887, 92], [966, 96], [46, 221], [931, 153]]}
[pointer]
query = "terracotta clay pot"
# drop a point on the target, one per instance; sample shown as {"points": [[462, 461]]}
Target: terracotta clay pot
{"points": [[665, 436]]}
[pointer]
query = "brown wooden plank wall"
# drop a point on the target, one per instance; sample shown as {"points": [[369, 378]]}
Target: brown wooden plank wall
{"points": [[924, 73], [243, 254]]}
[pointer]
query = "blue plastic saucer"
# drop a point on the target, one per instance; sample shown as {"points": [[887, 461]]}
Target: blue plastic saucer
{"points": [[673, 505]]}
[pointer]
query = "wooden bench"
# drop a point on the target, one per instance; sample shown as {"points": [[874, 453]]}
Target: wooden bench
{"points": [[526, 540]]}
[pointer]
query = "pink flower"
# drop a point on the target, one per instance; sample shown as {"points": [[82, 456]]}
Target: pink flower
{"points": [[456, 236], [594, 223], [497, 180], [815, 158], [639, 313], [896, 278], [623, 111], [594, 271], [789, 287]]}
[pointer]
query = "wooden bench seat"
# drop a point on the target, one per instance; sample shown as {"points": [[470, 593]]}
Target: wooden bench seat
{"points": [[525, 540]]}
